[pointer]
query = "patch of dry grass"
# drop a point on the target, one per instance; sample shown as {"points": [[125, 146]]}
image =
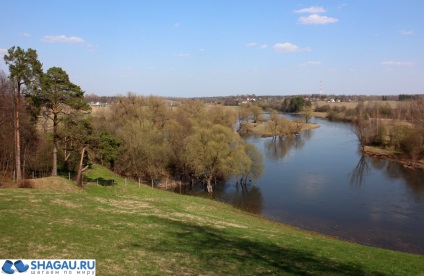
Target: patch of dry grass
{"points": [[55, 183], [66, 203], [262, 128]]}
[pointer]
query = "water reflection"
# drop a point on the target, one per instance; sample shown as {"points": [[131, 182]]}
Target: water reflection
{"points": [[415, 184], [307, 134], [413, 178], [359, 172], [248, 197], [279, 148], [327, 186], [393, 170]]}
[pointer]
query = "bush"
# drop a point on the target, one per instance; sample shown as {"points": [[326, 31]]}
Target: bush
{"points": [[333, 116], [350, 113], [413, 144], [398, 134], [386, 111], [336, 109], [378, 139], [324, 108]]}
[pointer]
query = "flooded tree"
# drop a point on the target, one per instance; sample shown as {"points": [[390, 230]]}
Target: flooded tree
{"points": [[188, 141], [307, 113], [254, 169], [216, 151]]}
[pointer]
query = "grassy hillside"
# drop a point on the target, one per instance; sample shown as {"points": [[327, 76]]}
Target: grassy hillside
{"points": [[140, 231]]}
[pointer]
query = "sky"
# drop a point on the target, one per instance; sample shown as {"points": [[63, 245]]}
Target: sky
{"points": [[224, 47]]}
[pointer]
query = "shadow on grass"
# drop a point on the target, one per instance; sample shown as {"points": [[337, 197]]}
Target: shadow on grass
{"points": [[101, 181], [223, 251]]}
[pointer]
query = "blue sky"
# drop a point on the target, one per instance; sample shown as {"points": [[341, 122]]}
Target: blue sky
{"points": [[217, 47]]}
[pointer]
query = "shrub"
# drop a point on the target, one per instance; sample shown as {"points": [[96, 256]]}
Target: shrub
{"points": [[324, 108], [336, 109], [398, 134], [332, 116], [378, 138], [413, 144]]}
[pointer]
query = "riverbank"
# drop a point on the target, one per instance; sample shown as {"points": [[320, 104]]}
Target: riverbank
{"points": [[132, 230], [394, 156], [380, 152]]}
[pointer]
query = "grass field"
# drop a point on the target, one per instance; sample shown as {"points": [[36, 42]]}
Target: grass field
{"points": [[141, 231], [350, 105]]}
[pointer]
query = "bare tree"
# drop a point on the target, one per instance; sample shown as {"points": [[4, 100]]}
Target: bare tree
{"points": [[307, 113], [362, 130], [417, 112], [6, 125]]}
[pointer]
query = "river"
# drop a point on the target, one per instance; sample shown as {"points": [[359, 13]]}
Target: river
{"points": [[319, 181]]}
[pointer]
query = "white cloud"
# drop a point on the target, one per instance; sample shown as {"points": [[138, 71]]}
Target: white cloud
{"points": [[398, 63], [405, 32], [311, 10], [254, 44], [62, 39], [288, 47], [24, 34], [201, 50], [251, 44], [316, 19], [314, 62], [184, 55]]}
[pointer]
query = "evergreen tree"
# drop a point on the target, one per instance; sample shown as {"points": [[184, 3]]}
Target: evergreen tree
{"points": [[25, 71], [59, 96]]}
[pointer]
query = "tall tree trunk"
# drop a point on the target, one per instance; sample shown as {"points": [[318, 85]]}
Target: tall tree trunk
{"points": [[80, 169], [55, 122], [18, 137], [66, 155], [24, 163], [209, 184]]}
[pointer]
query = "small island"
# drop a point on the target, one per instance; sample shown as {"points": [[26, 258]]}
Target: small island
{"points": [[251, 119], [265, 128]]}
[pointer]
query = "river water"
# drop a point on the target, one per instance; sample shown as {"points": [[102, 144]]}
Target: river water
{"points": [[319, 181]]}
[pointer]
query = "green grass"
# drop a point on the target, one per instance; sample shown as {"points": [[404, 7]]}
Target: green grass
{"points": [[141, 231]]}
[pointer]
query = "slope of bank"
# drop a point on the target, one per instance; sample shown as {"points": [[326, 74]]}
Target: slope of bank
{"points": [[394, 156], [132, 230]]}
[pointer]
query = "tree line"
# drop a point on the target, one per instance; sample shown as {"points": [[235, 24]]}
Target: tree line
{"points": [[47, 125], [189, 142], [34, 105], [398, 127]]}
